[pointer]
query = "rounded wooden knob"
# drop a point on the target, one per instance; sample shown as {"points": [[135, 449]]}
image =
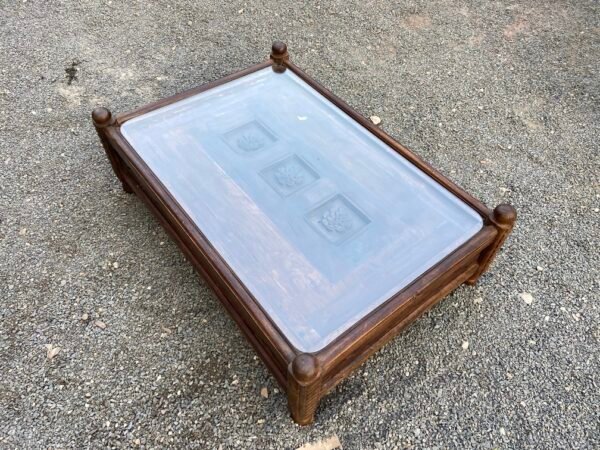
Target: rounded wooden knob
{"points": [[101, 116], [279, 49], [505, 214], [305, 368]]}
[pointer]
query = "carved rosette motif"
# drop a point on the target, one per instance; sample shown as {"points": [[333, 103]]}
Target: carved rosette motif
{"points": [[289, 176], [250, 142], [336, 220]]}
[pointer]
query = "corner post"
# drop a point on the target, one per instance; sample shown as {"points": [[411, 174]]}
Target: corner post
{"points": [[304, 388], [103, 119], [279, 56], [503, 218]]}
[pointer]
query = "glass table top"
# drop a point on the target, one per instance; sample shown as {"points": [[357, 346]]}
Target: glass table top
{"points": [[320, 220]]}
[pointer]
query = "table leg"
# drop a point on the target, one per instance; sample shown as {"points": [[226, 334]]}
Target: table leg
{"points": [[102, 118], [304, 388]]}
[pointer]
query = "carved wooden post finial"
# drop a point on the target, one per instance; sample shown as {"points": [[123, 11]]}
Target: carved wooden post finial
{"points": [[505, 215], [102, 117], [305, 368], [279, 55]]}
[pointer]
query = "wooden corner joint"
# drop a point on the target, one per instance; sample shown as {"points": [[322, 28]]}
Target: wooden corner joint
{"points": [[503, 219], [279, 56], [304, 388]]}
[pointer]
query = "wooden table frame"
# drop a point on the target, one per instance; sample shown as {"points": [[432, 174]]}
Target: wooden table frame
{"points": [[306, 377]]}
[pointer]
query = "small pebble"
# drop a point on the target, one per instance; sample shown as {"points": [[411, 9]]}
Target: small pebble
{"points": [[526, 297], [375, 119]]}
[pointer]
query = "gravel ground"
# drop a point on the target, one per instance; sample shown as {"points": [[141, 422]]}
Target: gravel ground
{"points": [[501, 96]]}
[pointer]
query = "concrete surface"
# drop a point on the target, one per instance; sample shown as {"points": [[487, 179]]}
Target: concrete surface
{"points": [[502, 96]]}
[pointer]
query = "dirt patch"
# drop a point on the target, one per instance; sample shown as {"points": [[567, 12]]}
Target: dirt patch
{"points": [[518, 26], [416, 22]]}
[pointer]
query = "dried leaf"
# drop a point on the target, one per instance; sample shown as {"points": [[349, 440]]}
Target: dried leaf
{"points": [[51, 351], [330, 443]]}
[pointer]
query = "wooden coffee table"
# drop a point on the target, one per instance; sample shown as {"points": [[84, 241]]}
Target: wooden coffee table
{"points": [[321, 235]]}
